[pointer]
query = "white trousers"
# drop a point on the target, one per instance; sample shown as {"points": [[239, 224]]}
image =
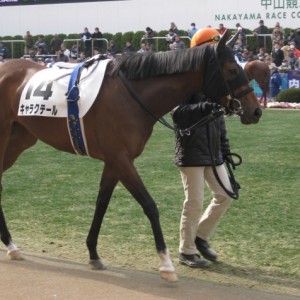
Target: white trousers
{"points": [[192, 224]]}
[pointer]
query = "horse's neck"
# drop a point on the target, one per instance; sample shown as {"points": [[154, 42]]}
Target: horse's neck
{"points": [[167, 93]]}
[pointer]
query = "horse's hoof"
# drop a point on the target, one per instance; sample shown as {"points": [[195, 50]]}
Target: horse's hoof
{"points": [[169, 276], [15, 255], [97, 264]]}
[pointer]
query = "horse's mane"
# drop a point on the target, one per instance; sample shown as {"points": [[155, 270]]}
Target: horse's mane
{"points": [[149, 64]]}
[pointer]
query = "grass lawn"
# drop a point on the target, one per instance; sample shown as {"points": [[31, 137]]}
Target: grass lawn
{"points": [[49, 198]]}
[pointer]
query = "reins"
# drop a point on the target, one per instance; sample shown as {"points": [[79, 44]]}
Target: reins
{"points": [[230, 165], [162, 120]]}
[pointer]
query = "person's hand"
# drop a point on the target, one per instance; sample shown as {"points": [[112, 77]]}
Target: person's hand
{"points": [[210, 107]]}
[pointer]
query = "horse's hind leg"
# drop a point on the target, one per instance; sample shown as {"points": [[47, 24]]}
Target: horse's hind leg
{"points": [[20, 139], [12, 250], [11, 146]]}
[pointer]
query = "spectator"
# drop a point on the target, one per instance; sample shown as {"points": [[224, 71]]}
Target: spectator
{"points": [[81, 57], [64, 50], [297, 39], [3, 50], [75, 50], [293, 56], [149, 35], [222, 29], [97, 34], [28, 40], [143, 48], [178, 44], [291, 37], [277, 54], [277, 24], [86, 38], [173, 28], [112, 49], [247, 55], [61, 57], [40, 52], [129, 49], [277, 36], [170, 38], [96, 51], [242, 34], [262, 54], [261, 29], [41, 61], [49, 62], [32, 55], [238, 49], [192, 30], [40, 45], [286, 50], [55, 44], [275, 81], [268, 60]]}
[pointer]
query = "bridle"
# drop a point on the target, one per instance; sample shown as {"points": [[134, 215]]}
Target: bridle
{"points": [[234, 106]]}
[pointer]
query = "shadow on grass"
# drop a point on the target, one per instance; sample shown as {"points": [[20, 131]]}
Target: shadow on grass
{"points": [[256, 275]]}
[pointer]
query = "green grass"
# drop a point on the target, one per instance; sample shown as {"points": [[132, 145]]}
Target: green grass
{"points": [[49, 198]]}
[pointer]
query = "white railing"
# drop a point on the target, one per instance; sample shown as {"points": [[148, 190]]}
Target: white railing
{"points": [[80, 42], [12, 42], [265, 36], [157, 38]]}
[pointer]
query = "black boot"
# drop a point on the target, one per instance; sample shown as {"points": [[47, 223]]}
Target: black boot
{"points": [[206, 251], [192, 261]]}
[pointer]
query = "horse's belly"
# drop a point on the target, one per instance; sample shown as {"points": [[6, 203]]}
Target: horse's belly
{"points": [[52, 131]]}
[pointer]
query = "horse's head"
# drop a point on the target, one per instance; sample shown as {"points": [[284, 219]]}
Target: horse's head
{"points": [[234, 92]]}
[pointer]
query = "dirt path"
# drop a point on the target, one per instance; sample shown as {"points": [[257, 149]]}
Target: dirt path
{"points": [[40, 278]]}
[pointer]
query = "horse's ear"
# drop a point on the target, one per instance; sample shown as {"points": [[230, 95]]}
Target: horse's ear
{"points": [[233, 40], [222, 43]]}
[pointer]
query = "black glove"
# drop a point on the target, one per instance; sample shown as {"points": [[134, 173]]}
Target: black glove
{"points": [[209, 107]]}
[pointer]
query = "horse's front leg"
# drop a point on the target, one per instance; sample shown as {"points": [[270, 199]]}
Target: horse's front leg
{"points": [[107, 185], [132, 181]]}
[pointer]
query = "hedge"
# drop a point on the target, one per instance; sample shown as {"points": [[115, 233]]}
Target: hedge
{"points": [[291, 95]]}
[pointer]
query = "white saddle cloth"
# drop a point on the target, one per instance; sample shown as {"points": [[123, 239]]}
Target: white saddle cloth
{"points": [[45, 93]]}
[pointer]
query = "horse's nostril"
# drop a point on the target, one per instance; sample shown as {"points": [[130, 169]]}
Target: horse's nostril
{"points": [[258, 112]]}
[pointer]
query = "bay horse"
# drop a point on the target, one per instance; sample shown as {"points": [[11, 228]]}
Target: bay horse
{"points": [[137, 90], [259, 71]]}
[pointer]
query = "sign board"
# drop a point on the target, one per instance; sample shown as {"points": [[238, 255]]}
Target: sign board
{"points": [[293, 78]]}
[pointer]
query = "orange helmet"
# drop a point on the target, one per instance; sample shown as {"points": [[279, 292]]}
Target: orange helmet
{"points": [[205, 35]]}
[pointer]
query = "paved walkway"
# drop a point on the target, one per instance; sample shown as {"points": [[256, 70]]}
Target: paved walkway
{"points": [[40, 278]]}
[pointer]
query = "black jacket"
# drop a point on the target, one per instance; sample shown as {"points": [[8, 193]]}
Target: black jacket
{"points": [[193, 149]]}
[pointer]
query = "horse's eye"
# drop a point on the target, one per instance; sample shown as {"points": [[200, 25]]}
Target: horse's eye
{"points": [[233, 72]]}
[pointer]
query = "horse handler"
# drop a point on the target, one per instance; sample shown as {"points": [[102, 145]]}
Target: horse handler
{"points": [[199, 154]]}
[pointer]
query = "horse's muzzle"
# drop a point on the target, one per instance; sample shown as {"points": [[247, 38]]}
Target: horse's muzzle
{"points": [[258, 112]]}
